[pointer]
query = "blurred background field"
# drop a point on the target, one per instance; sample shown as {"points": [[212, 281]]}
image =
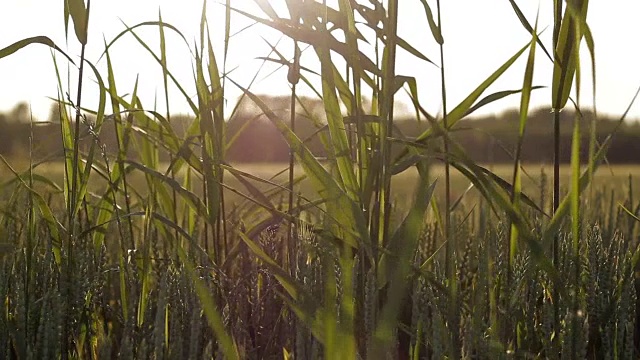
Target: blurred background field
{"points": [[536, 180]]}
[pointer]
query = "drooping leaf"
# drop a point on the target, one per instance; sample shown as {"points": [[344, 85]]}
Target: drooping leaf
{"points": [[497, 96], [80, 17], [435, 29], [32, 40]]}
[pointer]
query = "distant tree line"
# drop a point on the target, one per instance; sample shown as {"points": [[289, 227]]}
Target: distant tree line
{"points": [[252, 137]]}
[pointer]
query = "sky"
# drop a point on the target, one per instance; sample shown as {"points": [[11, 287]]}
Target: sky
{"points": [[479, 37]]}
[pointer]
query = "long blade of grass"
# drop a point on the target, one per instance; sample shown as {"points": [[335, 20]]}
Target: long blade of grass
{"points": [[79, 15], [566, 61], [527, 88], [554, 225], [402, 43], [525, 23], [4, 52], [435, 29], [497, 96], [459, 111], [405, 236]]}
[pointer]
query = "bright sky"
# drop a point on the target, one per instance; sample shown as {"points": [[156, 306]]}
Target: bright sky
{"points": [[479, 37]]}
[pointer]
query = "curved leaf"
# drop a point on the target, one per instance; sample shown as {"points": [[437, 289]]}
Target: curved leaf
{"points": [[78, 12], [32, 40], [435, 29], [497, 96]]}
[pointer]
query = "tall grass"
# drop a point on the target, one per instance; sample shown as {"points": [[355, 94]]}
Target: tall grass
{"points": [[173, 270]]}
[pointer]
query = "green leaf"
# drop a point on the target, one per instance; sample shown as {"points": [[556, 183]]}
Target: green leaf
{"points": [[497, 96], [463, 108], [32, 40], [516, 192], [435, 29], [406, 233], [527, 26], [564, 208], [80, 17], [567, 54], [404, 45], [395, 264]]}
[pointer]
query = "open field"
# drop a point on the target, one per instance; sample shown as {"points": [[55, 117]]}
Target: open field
{"points": [[615, 178], [607, 176]]}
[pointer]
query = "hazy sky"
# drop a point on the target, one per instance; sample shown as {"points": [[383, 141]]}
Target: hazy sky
{"points": [[479, 36]]}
